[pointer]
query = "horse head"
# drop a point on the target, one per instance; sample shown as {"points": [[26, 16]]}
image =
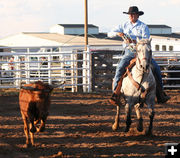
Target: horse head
{"points": [[144, 54]]}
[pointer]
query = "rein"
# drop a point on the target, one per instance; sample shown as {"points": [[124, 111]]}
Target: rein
{"points": [[135, 83], [138, 86]]}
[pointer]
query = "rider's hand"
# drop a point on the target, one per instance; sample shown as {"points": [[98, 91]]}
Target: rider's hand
{"points": [[120, 34], [128, 41]]}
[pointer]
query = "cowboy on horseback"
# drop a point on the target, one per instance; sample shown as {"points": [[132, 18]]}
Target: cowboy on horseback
{"points": [[130, 31]]}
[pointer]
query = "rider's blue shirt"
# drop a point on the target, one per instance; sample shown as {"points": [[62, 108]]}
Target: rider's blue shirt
{"points": [[138, 29]]}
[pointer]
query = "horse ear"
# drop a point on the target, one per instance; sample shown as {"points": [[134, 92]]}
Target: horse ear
{"points": [[138, 39], [150, 40]]}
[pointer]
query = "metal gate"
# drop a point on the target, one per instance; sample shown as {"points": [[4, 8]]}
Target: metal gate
{"points": [[66, 65]]}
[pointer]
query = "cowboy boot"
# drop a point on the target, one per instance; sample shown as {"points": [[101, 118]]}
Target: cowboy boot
{"points": [[117, 100], [117, 97], [162, 98], [160, 94]]}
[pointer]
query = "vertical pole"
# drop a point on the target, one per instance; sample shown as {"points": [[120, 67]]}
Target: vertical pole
{"points": [[72, 72], [28, 66], [89, 62], [84, 71], [86, 26], [49, 68]]}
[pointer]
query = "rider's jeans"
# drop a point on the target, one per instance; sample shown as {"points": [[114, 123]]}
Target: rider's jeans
{"points": [[124, 62]]}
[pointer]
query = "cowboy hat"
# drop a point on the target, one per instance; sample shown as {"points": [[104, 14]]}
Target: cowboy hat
{"points": [[134, 10]]}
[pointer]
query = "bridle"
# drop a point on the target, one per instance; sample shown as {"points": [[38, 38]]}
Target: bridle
{"points": [[147, 50]]}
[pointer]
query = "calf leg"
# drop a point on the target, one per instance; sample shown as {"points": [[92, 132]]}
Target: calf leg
{"points": [[32, 126], [128, 117], [41, 127], [31, 114], [115, 126], [26, 129], [43, 121], [36, 122], [31, 135], [139, 117]]}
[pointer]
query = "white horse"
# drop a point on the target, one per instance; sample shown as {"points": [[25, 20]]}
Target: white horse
{"points": [[139, 87]]}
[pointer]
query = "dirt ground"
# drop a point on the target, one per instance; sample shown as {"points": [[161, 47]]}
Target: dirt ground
{"points": [[79, 125]]}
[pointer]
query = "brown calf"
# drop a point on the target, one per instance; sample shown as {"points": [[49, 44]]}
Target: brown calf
{"points": [[34, 101]]}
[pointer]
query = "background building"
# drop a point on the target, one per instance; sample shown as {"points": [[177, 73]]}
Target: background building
{"points": [[73, 34]]}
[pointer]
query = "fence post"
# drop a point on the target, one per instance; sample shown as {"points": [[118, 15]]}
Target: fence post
{"points": [[92, 72], [49, 71], [72, 72], [79, 71], [84, 71], [27, 67], [17, 72], [89, 69]]}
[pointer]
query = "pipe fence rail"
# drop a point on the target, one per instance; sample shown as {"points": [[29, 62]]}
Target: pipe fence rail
{"points": [[169, 63], [72, 68], [67, 65]]}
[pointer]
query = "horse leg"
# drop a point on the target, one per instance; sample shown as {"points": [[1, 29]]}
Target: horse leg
{"points": [[128, 117], [139, 117], [115, 126], [151, 117]]}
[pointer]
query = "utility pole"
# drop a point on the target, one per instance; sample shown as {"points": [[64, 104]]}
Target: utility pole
{"points": [[86, 25]]}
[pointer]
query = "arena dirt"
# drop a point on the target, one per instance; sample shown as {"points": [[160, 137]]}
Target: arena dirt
{"points": [[79, 126]]}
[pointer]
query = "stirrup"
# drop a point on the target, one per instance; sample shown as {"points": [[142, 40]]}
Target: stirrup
{"points": [[113, 102]]}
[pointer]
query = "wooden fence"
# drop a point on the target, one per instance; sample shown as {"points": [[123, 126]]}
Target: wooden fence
{"points": [[103, 69]]}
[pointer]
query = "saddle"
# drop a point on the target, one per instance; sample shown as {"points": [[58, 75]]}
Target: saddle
{"points": [[128, 68], [117, 97]]}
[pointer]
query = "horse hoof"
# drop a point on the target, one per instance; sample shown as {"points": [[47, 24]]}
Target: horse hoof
{"points": [[140, 125], [140, 129], [114, 127], [148, 133], [28, 145], [126, 129], [128, 124]]}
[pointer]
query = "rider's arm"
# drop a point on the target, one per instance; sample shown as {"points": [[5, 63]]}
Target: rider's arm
{"points": [[145, 32], [115, 31], [119, 31]]}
